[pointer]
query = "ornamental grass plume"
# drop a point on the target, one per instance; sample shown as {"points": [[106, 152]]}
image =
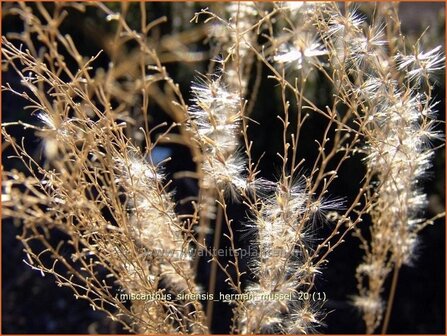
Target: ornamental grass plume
{"points": [[215, 122], [394, 95], [155, 157]]}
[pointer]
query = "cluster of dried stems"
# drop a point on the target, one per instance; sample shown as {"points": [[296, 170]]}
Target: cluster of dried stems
{"points": [[98, 182]]}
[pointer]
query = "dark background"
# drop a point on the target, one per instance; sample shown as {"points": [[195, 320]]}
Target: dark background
{"points": [[34, 304]]}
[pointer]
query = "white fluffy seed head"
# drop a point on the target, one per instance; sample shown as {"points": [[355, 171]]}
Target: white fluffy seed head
{"points": [[215, 116], [302, 52], [421, 64], [369, 304]]}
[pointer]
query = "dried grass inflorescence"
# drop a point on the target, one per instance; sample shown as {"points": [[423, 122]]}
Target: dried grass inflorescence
{"points": [[101, 184]]}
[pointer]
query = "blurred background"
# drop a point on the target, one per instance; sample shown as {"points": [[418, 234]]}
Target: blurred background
{"points": [[34, 304]]}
